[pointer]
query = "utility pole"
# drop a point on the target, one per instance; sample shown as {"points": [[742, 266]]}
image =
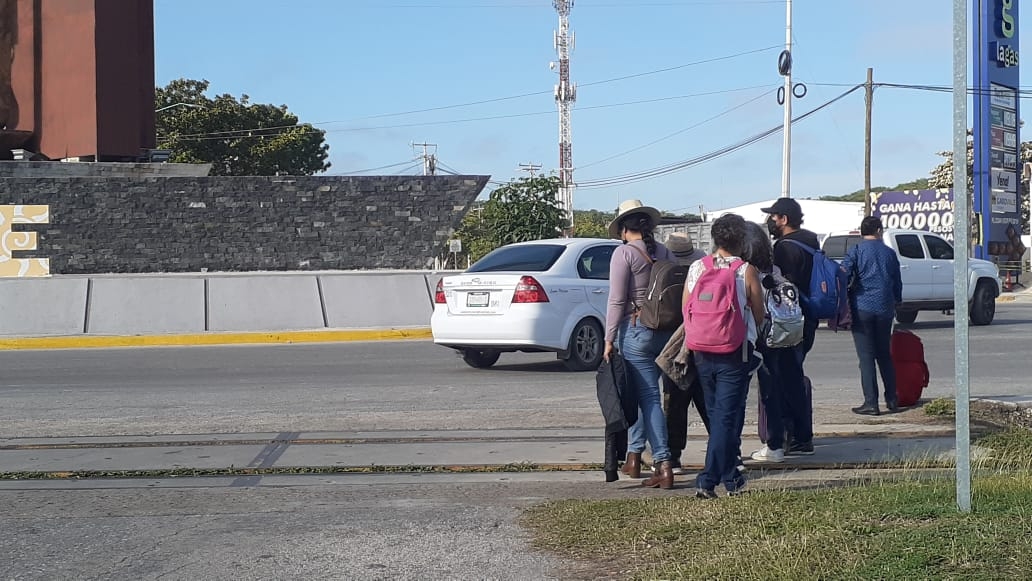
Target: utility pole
{"points": [[530, 168], [429, 159], [869, 101], [785, 68], [565, 96]]}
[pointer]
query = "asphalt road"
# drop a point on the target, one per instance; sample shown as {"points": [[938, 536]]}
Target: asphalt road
{"points": [[403, 526], [410, 385]]}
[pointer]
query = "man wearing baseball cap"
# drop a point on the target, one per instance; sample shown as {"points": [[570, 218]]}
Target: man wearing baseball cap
{"points": [[784, 222]]}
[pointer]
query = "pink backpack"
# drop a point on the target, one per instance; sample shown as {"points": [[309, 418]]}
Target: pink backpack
{"points": [[713, 321]]}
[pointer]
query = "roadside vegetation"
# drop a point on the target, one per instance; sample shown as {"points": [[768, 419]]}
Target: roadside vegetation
{"points": [[903, 526]]}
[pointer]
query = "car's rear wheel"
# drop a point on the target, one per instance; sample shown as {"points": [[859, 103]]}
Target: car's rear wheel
{"points": [[906, 317], [586, 345], [480, 359], [983, 305]]}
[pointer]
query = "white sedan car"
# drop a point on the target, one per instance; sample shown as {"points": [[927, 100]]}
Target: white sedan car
{"points": [[546, 295]]}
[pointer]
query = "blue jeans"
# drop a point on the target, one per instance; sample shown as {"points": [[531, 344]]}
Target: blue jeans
{"points": [[871, 335], [725, 383], [640, 346]]}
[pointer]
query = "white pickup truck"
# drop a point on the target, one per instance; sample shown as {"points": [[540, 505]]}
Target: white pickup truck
{"points": [[926, 264]]}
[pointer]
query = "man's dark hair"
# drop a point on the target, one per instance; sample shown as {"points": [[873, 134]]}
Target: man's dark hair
{"points": [[729, 233], [870, 226]]}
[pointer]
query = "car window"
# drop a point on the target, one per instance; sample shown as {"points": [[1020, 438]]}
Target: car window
{"points": [[836, 247], [594, 262], [938, 248], [524, 258], [909, 246]]}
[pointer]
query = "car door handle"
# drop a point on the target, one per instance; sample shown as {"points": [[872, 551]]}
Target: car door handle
{"points": [[936, 267], [598, 291], [904, 266]]}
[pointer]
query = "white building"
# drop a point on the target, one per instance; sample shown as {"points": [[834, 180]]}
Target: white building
{"points": [[819, 216]]}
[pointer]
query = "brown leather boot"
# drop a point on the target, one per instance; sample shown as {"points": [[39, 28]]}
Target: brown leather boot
{"points": [[662, 476], [632, 466]]}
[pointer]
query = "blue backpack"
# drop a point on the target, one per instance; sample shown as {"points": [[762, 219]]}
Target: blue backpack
{"points": [[828, 282]]}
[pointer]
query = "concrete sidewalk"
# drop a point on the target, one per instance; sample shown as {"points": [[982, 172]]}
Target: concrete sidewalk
{"points": [[544, 450]]}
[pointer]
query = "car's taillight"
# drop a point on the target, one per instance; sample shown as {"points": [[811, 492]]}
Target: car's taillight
{"points": [[439, 295], [529, 290]]}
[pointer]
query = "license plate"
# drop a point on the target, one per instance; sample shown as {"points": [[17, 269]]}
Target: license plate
{"points": [[478, 299]]}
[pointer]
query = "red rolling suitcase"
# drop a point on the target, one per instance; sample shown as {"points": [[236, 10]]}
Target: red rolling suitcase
{"points": [[911, 369]]}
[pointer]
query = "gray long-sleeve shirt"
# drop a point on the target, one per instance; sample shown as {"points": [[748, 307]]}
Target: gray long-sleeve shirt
{"points": [[628, 281]]}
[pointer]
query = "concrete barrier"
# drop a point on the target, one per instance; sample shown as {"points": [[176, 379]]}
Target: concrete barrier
{"points": [[264, 303], [142, 306], [172, 308], [42, 306], [376, 301]]}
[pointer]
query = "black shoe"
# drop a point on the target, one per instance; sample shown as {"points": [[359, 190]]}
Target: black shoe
{"points": [[800, 449], [705, 494], [892, 408], [867, 410], [612, 476]]}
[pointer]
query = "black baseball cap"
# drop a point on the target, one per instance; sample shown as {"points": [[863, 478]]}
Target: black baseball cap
{"points": [[785, 207]]}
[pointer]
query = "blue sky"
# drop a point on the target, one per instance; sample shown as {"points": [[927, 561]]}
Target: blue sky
{"points": [[358, 67]]}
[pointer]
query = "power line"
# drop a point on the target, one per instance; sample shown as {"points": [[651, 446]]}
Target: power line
{"points": [[493, 100], [378, 168], [680, 131], [677, 166], [257, 134], [593, 5]]}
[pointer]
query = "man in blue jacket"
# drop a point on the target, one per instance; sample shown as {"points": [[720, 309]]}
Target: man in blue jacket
{"points": [[876, 288]]}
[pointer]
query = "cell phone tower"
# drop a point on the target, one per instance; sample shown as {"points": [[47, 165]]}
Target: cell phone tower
{"points": [[565, 96]]}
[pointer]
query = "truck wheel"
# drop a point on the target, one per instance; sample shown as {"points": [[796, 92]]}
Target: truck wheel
{"points": [[480, 359], [906, 317], [586, 346], [983, 305]]}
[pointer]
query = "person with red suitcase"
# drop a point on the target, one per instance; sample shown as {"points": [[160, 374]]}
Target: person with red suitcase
{"points": [[875, 289]]}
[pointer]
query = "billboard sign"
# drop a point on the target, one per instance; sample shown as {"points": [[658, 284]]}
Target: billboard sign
{"points": [[996, 112], [930, 210]]}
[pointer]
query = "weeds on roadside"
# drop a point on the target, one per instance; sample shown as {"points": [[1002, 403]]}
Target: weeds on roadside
{"points": [[881, 530]]}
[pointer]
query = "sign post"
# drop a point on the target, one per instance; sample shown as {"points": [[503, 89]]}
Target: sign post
{"points": [[997, 147]]}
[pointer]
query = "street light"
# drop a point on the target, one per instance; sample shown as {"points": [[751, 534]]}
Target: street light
{"points": [[190, 105]]}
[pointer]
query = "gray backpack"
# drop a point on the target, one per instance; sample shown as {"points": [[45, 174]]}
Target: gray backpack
{"points": [[784, 323]]}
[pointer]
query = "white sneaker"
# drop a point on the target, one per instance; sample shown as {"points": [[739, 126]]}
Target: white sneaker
{"points": [[765, 454]]}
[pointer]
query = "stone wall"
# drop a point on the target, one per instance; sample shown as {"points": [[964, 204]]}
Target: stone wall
{"points": [[61, 169], [123, 225]]}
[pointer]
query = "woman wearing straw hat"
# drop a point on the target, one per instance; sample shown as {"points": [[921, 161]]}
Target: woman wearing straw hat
{"points": [[629, 271]]}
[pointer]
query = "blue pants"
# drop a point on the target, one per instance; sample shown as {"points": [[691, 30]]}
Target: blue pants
{"points": [[640, 346], [872, 334], [725, 383]]}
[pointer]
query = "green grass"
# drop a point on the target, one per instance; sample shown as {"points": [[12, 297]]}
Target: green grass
{"points": [[885, 529], [940, 407], [882, 530]]}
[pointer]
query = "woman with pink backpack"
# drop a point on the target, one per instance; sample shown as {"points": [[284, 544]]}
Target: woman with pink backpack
{"points": [[723, 308]]}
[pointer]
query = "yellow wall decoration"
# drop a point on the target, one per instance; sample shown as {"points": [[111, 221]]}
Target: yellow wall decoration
{"points": [[11, 241]]}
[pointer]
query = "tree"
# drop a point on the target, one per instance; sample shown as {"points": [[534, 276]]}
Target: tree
{"points": [[236, 136], [592, 223], [858, 196], [942, 177], [524, 209]]}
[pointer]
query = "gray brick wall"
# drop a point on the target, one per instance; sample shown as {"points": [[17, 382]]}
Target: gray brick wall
{"points": [[122, 225]]}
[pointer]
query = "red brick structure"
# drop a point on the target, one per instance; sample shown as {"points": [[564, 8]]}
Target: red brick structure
{"points": [[82, 79]]}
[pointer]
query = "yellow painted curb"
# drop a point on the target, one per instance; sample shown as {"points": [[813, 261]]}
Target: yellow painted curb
{"points": [[89, 342], [1006, 299]]}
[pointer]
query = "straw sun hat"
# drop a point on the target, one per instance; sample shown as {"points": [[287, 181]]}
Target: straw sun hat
{"points": [[631, 207]]}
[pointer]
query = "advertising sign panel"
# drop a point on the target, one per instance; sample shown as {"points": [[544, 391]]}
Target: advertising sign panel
{"points": [[996, 112], [930, 210]]}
